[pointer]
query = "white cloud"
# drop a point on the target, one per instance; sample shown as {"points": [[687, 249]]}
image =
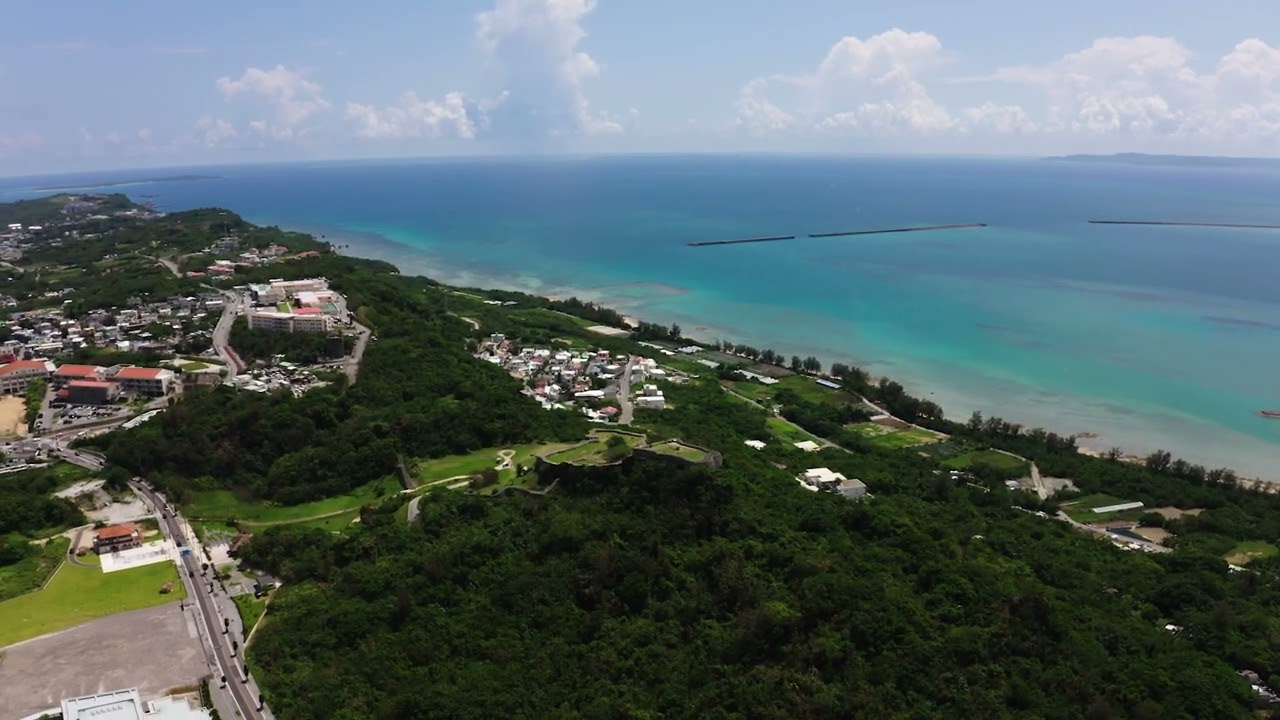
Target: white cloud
{"points": [[1146, 87], [533, 44], [288, 95], [868, 86], [214, 131], [412, 117]]}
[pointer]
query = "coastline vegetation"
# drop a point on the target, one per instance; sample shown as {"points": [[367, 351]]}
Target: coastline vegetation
{"points": [[638, 589]]}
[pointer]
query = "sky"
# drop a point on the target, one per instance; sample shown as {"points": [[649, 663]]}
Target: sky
{"points": [[154, 83]]}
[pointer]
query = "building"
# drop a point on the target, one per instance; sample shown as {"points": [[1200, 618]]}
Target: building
{"points": [[153, 382], [128, 705], [117, 537], [755, 444], [831, 481], [15, 376], [91, 392], [275, 321], [281, 290], [70, 373], [808, 446]]}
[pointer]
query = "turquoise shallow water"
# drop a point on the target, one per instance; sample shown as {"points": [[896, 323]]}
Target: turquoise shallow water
{"points": [[1150, 337]]}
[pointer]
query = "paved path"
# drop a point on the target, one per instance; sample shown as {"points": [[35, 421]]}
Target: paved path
{"points": [[624, 394], [352, 367], [75, 543], [222, 333]]}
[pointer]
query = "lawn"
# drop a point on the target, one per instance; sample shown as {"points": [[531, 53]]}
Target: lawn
{"points": [[750, 388], [1250, 550], [223, 505], [887, 437], [990, 458], [455, 465], [31, 572], [337, 523], [212, 532], [578, 454], [193, 365], [788, 433], [1081, 509], [680, 451], [77, 594], [250, 608]]}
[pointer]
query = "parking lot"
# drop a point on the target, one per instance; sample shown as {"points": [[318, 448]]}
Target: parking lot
{"points": [[154, 650]]}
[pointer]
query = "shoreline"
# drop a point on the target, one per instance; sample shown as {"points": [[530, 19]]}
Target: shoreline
{"points": [[1093, 441]]}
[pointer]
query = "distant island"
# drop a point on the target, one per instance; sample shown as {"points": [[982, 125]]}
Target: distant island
{"points": [[116, 183], [1172, 160]]}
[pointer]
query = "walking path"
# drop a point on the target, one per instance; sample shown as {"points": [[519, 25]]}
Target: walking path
{"points": [[627, 413]]}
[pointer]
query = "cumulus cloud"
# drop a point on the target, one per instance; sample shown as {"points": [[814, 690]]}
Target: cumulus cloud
{"points": [[871, 85], [1139, 91], [287, 95], [212, 132], [412, 117], [534, 46], [1147, 87]]}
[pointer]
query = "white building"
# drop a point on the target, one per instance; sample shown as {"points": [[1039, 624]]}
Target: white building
{"points": [[128, 705], [153, 382], [831, 481], [755, 444], [275, 321], [14, 376]]}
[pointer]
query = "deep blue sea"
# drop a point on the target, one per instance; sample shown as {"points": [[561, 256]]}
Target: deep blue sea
{"points": [[1148, 336]]}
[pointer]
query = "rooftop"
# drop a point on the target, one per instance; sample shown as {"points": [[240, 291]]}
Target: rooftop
{"points": [[78, 370], [115, 705], [23, 365], [142, 373], [112, 532], [101, 385]]}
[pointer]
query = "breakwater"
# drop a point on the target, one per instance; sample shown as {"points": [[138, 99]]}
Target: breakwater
{"points": [[842, 233], [769, 238], [1240, 226]]}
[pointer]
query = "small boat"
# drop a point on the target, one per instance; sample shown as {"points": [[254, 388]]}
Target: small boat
{"points": [[1273, 414]]}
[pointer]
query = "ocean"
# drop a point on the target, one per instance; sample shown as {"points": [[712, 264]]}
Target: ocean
{"points": [[1147, 337]]}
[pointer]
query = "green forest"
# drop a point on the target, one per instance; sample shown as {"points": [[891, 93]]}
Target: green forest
{"points": [[646, 590]]}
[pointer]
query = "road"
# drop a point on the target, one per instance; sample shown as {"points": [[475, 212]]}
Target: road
{"points": [[222, 333], [624, 394], [352, 367], [242, 688], [1145, 544]]}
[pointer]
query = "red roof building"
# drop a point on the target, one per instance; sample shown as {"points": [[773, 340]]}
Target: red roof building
{"points": [[117, 537], [67, 373], [14, 376], [154, 382], [308, 311]]}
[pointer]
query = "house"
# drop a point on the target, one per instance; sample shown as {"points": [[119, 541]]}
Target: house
{"points": [[15, 376], [153, 382], [91, 392], [755, 444], [71, 373], [654, 402], [808, 446], [830, 481], [117, 537]]}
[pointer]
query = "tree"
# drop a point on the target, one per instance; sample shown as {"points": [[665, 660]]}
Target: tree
{"points": [[675, 332], [1158, 461], [796, 363]]}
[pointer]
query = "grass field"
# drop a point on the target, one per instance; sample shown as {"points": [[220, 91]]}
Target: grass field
{"points": [[987, 457], [888, 437], [1250, 550], [788, 433], [31, 572], [77, 594], [193, 365], [250, 608], [1081, 509], [219, 505], [578, 454], [454, 465], [337, 523], [680, 451]]}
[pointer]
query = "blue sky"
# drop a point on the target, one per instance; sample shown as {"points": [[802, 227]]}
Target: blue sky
{"points": [[158, 83]]}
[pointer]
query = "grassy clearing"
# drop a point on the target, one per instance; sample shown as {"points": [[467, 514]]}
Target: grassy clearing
{"points": [[759, 392], [214, 531], [222, 505], [337, 523], [77, 594], [454, 465], [1081, 509], [30, 573], [250, 608], [1250, 550], [578, 454], [905, 438], [193, 366], [680, 451], [987, 457], [790, 434]]}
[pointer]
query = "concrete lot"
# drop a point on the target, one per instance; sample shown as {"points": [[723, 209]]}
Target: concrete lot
{"points": [[154, 650]]}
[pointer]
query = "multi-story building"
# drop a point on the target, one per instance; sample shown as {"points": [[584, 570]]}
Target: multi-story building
{"points": [[275, 321], [153, 382], [117, 537], [73, 373], [15, 376], [91, 392]]}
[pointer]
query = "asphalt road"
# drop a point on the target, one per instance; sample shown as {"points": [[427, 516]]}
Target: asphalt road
{"points": [[222, 333], [352, 368], [228, 664], [626, 412]]}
